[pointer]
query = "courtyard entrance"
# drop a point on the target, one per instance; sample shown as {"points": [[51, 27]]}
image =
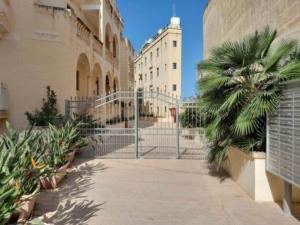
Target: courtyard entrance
{"points": [[137, 124]]}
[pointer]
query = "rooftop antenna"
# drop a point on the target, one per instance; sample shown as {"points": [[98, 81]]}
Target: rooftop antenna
{"points": [[174, 10]]}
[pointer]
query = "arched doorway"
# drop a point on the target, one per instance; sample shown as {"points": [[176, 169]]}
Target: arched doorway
{"points": [[82, 75], [108, 84], [115, 47], [116, 85], [96, 81], [108, 37]]}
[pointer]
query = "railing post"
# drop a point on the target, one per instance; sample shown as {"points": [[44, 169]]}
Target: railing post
{"points": [[136, 124], [177, 130]]}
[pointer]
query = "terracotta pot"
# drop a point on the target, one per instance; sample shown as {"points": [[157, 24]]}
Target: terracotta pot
{"points": [[27, 203], [70, 158], [51, 182]]}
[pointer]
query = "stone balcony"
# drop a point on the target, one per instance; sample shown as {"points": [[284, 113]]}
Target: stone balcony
{"points": [[97, 46]]}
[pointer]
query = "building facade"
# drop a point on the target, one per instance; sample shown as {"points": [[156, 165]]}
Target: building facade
{"points": [[230, 20], [158, 66], [75, 46]]}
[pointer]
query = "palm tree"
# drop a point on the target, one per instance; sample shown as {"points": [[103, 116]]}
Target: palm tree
{"points": [[243, 83]]}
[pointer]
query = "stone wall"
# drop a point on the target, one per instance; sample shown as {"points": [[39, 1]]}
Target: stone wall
{"points": [[232, 19]]}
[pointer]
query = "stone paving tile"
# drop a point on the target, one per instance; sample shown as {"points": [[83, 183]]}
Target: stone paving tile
{"points": [[152, 192]]}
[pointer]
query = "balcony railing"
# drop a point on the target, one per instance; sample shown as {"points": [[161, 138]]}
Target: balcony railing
{"points": [[3, 98], [83, 32], [97, 46]]}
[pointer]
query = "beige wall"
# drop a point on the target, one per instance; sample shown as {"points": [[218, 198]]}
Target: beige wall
{"points": [[232, 19], [248, 170], [46, 46]]}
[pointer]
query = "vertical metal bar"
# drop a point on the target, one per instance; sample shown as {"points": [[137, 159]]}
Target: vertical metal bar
{"points": [[136, 124], [177, 130], [67, 109]]}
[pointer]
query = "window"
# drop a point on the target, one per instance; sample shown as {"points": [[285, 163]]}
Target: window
{"points": [[157, 72], [174, 44], [151, 55], [142, 65], [77, 80], [165, 88], [166, 44], [165, 66], [151, 75], [174, 66], [165, 108], [146, 61], [174, 87], [157, 89], [145, 77], [157, 52]]}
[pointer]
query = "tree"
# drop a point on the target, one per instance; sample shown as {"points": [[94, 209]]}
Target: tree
{"points": [[243, 83], [48, 113]]}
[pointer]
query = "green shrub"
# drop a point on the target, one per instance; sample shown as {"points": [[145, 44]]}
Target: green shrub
{"points": [[191, 118], [48, 114]]}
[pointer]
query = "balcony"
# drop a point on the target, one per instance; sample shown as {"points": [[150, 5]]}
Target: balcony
{"points": [[97, 46], [4, 27], [83, 32], [3, 101]]}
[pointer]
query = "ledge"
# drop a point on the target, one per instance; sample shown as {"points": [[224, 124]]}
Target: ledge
{"points": [[250, 155]]}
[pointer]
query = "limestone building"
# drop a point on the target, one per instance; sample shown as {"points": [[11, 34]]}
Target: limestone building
{"points": [[75, 46], [233, 19], [158, 66]]}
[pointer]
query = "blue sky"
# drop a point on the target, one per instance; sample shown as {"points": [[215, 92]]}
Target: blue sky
{"points": [[143, 18]]}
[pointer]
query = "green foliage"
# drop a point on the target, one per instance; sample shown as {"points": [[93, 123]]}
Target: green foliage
{"points": [[8, 195], [191, 118], [28, 155], [23, 154], [243, 83], [48, 113]]}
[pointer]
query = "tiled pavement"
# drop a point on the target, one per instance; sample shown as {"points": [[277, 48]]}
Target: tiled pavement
{"points": [[156, 192]]}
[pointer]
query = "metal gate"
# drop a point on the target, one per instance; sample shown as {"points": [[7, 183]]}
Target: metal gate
{"points": [[137, 124]]}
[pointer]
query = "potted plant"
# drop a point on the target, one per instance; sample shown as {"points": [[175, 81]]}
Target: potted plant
{"points": [[8, 195], [22, 157], [55, 157], [70, 137]]}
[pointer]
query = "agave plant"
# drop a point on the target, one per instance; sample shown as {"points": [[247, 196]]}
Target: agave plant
{"points": [[71, 137], [23, 156], [57, 150], [243, 82], [9, 193]]}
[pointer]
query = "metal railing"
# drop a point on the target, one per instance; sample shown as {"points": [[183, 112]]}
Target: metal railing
{"points": [[139, 124]]}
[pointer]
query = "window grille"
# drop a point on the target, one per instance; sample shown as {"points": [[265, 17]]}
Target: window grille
{"points": [[283, 138]]}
